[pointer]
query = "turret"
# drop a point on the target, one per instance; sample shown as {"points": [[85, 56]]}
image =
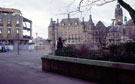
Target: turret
{"points": [[118, 16], [125, 20], [90, 19]]}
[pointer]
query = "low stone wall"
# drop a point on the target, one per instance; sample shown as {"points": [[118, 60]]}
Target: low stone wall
{"points": [[93, 70]]}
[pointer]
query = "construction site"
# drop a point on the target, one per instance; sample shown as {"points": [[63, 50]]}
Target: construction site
{"points": [[15, 30]]}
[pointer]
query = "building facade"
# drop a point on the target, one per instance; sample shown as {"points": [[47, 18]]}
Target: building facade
{"points": [[121, 30], [72, 30], [75, 31], [13, 27]]}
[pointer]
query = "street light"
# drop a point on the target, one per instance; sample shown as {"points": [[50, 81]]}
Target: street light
{"points": [[113, 20], [18, 49], [53, 37], [49, 41], [36, 42]]}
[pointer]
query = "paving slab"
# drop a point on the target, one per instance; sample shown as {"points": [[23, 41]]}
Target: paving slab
{"points": [[25, 68]]}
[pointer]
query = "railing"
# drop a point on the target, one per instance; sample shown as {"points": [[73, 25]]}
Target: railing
{"points": [[27, 37], [25, 28]]}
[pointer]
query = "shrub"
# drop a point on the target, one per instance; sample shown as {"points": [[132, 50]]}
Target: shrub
{"points": [[118, 53], [113, 49], [67, 51]]}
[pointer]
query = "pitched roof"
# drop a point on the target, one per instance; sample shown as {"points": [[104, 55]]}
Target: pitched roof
{"points": [[113, 29], [130, 22], [100, 25], [70, 21]]}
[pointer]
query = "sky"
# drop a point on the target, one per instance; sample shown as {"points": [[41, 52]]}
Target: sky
{"points": [[41, 11]]}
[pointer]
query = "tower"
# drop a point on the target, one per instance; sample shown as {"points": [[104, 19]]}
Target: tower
{"points": [[118, 16]]}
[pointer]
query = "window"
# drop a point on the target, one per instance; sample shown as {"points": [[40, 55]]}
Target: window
{"points": [[76, 23], [69, 24], [0, 31], [17, 21], [17, 31], [0, 20], [9, 31], [9, 21], [63, 24]]}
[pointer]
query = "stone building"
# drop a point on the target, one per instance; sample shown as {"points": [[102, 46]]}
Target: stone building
{"points": [[99, 34], [74, 31], [118, 16], [121, 31], [14, 28]]}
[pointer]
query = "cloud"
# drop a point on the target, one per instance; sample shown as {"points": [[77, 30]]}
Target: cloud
{"points": [[40, 12]]}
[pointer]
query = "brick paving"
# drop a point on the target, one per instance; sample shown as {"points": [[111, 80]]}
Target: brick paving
{"points": [[25, 68]]}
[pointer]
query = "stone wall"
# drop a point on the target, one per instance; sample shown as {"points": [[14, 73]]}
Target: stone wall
{"points": [[93, 70]]}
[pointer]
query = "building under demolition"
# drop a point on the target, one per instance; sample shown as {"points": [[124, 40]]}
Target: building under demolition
{"points": [[14, 28]]}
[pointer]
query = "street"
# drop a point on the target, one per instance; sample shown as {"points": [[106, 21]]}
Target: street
{"points": [[25, 68]]}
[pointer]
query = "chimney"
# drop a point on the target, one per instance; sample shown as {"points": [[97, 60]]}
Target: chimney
{"points": [[68, 16], [83, 19], [51, 19], [57, 21]]}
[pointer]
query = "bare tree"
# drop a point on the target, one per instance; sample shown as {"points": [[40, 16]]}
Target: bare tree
{"points": [[87, 4], [128, 8], [100, 34]]}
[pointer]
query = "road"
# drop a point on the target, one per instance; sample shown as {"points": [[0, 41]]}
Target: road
{"points": [[25, 68]]}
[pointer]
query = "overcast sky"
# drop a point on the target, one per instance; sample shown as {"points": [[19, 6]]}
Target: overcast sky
{"points": [[40, 12]]}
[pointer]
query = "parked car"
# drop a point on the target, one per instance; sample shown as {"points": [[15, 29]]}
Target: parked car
{"points": [[4, 49]]}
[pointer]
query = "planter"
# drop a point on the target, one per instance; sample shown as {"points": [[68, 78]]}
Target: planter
{"points": [[93, 70]]}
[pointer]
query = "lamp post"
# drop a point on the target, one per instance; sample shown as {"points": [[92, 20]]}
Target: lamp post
{"points": [[113, 20], [18, 49], [53, 37], [49, 41], [36, 42]]}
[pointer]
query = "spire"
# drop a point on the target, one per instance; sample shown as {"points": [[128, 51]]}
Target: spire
{"points": [[90, 19]]}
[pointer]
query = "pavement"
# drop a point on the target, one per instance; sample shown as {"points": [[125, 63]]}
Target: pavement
{"points": [[26, 68]]}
